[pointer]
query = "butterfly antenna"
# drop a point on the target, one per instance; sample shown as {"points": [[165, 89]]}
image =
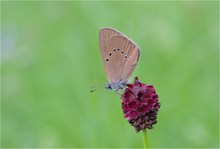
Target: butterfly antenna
{"points": [[94, 88]]}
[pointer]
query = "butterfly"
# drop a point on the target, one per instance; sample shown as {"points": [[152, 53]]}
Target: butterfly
{"points": [[120, 56]]}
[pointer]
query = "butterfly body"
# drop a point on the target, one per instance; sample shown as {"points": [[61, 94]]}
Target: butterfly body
{"points": [[116, 85], [120, 56]]}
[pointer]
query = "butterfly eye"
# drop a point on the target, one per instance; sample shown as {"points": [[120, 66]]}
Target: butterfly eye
{"points": [[114, 50], [107, 60], [130, 58], [118, 49], [126, 56], [122, 52], [110, 54]]}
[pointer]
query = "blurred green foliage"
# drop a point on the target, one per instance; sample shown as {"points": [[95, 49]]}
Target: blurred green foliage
{"points": [[50, 57]]}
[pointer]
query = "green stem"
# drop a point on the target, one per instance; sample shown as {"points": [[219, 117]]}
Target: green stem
{"points": [[145, 138]]}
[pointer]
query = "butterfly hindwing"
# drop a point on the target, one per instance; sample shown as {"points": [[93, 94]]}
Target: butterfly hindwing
{"points": [[121, 58]]}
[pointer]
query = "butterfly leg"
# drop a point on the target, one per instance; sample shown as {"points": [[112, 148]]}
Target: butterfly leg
{"points": [[119, 92]]}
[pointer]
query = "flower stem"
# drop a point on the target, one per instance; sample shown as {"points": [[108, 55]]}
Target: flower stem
{"points": [[145, 138]]}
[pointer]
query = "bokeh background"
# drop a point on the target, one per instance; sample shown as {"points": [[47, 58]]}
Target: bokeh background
{"points": [[50, 57]]}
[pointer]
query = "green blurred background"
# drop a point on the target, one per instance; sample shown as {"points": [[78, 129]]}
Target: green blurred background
{"points": [[50, 57]]}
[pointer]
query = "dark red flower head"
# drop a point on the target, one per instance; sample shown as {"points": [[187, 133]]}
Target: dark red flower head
{"points": [[140, 105]]}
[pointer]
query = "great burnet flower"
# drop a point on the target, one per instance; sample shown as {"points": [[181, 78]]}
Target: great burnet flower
{"points": [[140, 105]]}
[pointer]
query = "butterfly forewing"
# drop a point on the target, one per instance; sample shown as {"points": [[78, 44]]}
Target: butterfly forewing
{"points": [[104, 35]]}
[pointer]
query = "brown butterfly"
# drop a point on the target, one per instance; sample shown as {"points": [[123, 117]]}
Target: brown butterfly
{"points": [[120, 56]]}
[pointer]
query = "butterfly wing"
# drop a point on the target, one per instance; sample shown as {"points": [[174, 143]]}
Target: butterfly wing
{"points": [[123, 60], [104, 35], [120, 57]]}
